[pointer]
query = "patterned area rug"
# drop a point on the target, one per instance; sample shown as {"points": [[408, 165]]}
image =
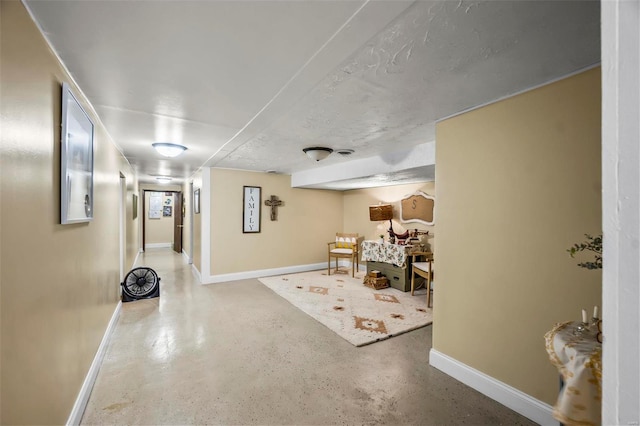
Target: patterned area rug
{"points": [[357, 313]]}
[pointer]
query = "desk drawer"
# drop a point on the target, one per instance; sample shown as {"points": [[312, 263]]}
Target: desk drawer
{"points": [[399, 278]]}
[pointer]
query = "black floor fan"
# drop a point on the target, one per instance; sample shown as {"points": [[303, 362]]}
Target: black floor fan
{"points": [[140, 283]]}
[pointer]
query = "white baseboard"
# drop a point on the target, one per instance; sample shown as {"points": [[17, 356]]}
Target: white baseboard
{"points": [[85, 391], [135, 261], [158, 245], [186, 257], [213, 279], [196, 273], [506, 395]]}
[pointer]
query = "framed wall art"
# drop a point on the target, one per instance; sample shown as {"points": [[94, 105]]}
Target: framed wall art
{"points": [[196, 201], [155, 205], [417, 207], [251, 201], [76, 161], [135, 205]]}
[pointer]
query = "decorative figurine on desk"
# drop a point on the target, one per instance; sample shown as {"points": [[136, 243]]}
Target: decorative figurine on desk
{"points": [[596, 325], [583, 327], [594, 318], [402, 238], [407, 237], [415, 236], [591, 328], [395, 237]]}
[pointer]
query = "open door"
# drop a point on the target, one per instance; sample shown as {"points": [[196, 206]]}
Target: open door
{"points": [[177, 222]]}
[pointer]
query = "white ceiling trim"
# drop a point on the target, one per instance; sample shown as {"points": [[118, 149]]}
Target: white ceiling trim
{"points": [[520, 92], [417, 157]]}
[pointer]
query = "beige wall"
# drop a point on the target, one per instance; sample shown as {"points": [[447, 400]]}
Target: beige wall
{"points": [[306, 222], [158, 187], [356, 210], [159, 231], [59, 283], [518, 183]]}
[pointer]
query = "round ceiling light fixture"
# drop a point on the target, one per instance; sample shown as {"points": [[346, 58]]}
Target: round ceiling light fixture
{"points": [[163, 179], [345, 151], [317, 153], [169, 149]]}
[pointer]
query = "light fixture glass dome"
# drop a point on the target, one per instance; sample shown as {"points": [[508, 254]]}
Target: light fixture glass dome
{"points": [[169, 149], [163, 179], [317, 153]]}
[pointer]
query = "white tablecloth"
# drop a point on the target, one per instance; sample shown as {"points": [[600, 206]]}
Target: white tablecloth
{"points": [[579, 361], [383, 252]]}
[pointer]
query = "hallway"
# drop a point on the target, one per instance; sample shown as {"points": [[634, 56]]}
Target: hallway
{"points": [[236, 353]]}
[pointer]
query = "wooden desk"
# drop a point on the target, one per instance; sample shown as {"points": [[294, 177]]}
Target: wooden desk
{"points": [[392, 260], [399, 276]]}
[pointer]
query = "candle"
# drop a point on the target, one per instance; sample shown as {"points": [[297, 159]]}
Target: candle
{"points": [[595, 312], [584, 316]]}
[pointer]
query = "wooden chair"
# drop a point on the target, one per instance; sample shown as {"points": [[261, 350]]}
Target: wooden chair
{"points": [[423, 269], [346, 246]]}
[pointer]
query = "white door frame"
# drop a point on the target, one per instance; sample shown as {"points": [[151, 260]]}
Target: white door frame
{"points": [[123, 224], [191, 218], [621, 211]]}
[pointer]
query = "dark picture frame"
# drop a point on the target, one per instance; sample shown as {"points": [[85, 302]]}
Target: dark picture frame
{"points": [[251, 209], [76, 161], [134, 203], [196, 201]]}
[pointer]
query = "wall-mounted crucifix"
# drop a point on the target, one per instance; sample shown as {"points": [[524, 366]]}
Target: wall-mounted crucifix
{"points": [[273, 202]]}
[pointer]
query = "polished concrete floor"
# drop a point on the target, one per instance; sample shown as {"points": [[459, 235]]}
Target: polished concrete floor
{"points": [[237, 353]]}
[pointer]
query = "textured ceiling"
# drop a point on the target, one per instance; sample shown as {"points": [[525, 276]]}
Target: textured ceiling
{"points": [[248, 84]]}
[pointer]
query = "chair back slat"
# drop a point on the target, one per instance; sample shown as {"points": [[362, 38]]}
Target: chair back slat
{"points": [[345, 240]]}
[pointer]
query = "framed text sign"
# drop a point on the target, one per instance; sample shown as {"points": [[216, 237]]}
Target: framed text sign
{"points": [[251, 201], [417, 207]]}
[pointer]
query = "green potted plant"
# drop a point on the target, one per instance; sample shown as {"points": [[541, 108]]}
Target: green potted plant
{"points": [[592, 244]]}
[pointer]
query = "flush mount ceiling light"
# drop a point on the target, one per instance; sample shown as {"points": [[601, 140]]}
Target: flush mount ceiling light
{"points": [[317, 153], [169, 149], [345, 151], [163, 179]]}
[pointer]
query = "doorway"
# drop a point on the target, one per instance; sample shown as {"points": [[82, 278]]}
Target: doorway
{"points": [[162, 221]]}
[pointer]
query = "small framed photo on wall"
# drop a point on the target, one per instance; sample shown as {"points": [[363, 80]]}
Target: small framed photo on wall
{"points": [[134, 203], [251, 201], [196, 201]]}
